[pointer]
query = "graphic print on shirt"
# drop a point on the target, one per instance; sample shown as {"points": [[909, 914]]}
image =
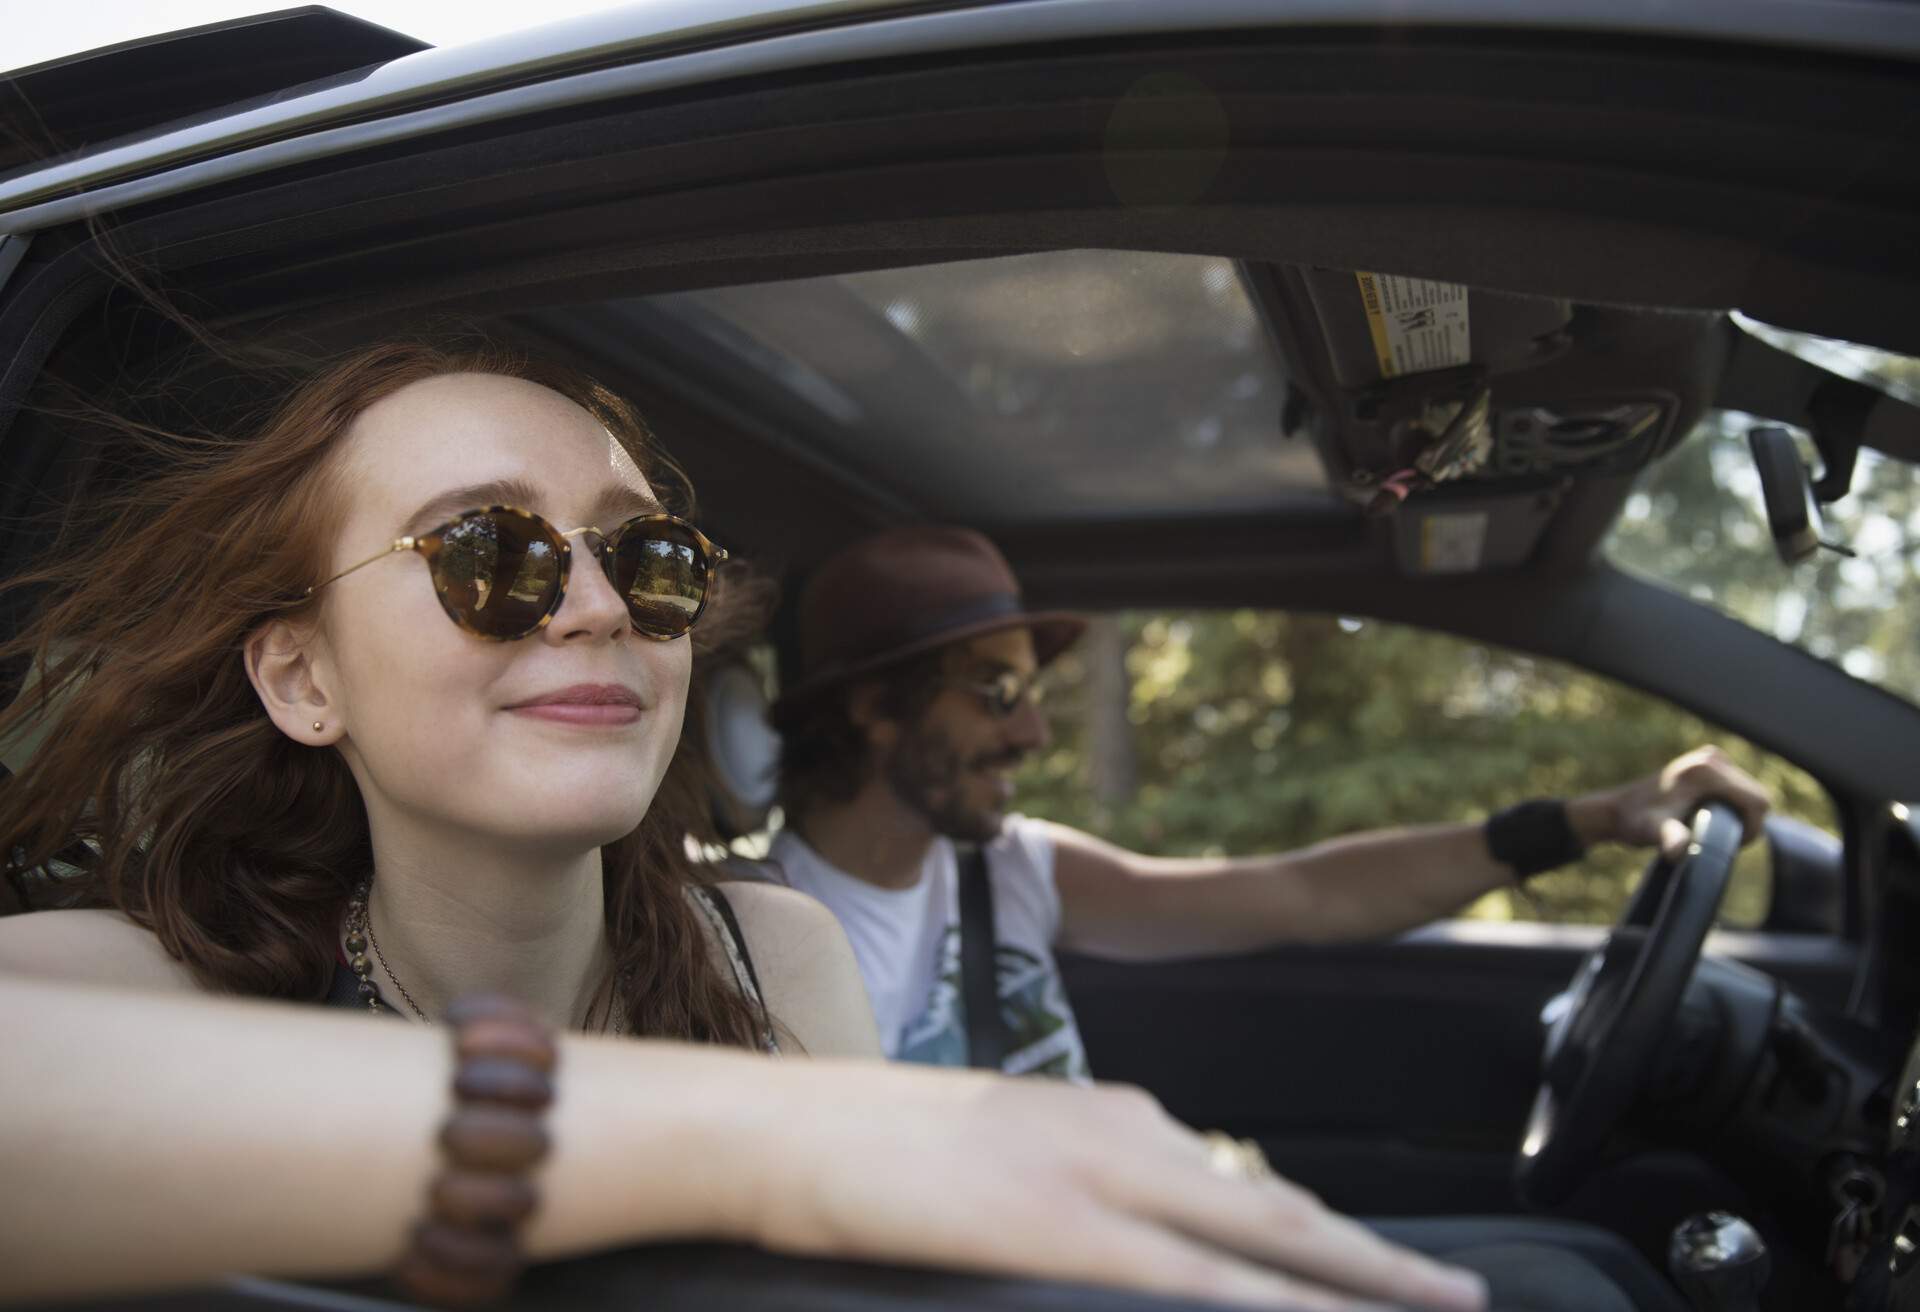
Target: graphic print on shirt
{"points": [[1042, 1038]]}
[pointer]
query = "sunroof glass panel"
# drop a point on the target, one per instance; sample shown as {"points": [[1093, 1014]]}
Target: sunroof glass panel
{"points": [[1062, 385]]}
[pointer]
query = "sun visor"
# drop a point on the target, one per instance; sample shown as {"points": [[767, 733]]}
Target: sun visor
{"points": [[1379, 326], [1428, 385]]}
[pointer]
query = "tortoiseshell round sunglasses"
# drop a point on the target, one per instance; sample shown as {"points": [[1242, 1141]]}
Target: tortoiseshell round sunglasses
{"points": [[501, 573]]}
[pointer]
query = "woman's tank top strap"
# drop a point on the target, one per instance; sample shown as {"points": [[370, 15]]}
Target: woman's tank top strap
{"points": [[726, 927]]}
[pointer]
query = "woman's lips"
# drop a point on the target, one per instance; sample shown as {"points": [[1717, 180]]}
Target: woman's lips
{"points": [[581, 712], [584, 703]]}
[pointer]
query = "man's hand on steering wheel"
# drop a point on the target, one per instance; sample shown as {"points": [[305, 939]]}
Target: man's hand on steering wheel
{"points": [[1602, 1032], [1656, 811]]}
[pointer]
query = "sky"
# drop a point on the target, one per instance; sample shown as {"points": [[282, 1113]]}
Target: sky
{"points": [[34, 31]]}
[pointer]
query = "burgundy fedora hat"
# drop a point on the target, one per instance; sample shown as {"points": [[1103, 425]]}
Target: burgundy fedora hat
{"points": [[908, 590]]}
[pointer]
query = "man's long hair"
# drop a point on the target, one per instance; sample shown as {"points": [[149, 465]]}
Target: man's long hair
{"points": [[825, 759]]}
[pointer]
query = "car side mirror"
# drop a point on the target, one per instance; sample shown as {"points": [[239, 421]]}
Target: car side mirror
{"points": [[1808, 877]]}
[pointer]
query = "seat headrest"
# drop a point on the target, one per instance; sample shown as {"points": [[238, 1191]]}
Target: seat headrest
{"points": [[744, 749]]}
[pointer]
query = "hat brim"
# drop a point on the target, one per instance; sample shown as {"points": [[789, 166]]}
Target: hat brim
{"points": [[1053, 632]]}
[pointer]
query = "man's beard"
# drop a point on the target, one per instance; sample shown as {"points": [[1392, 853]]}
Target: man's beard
{"points": [[929, 776]]}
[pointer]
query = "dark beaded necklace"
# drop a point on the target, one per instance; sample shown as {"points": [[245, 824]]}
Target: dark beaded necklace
{"points": [[359, 940]]}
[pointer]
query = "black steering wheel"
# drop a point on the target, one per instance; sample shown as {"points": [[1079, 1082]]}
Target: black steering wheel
{"points": [[1604, 1029]]}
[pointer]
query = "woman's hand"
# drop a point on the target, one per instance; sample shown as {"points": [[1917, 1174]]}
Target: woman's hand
{"points": [[1034, 1178]]}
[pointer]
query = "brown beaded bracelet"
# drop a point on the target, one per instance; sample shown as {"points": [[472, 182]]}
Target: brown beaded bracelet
{"points": [[467, 1252]]}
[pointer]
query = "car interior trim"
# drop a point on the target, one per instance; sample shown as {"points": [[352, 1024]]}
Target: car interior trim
{"points": [[13, 249]]}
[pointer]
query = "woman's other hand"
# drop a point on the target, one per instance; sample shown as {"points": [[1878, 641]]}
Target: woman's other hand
{"points": [[1035, 1178]]}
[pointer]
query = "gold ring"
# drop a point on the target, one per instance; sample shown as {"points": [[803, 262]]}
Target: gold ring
{"points": [[1237, 1159]]}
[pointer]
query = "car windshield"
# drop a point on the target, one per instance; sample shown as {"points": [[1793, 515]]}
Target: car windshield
{"points": [[1695, 522]]}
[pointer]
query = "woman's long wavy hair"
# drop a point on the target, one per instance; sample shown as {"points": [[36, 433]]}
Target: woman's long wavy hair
{"points": [[165, 792]]}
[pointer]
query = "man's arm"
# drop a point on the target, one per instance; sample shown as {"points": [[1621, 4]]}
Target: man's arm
{"points": [[1117, 903]]}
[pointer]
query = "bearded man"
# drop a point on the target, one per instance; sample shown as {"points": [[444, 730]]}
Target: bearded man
{"points": [[913, 707]]}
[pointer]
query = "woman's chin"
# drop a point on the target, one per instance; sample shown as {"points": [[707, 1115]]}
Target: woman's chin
{"points": [[563, 831]]}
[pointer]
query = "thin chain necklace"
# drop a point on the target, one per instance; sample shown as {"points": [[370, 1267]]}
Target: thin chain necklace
{"points": [[360, 938]]}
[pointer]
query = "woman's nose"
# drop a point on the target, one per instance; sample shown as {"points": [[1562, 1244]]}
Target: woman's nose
{"points": [[591, 609]]}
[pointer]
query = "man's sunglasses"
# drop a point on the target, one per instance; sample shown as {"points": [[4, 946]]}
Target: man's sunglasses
{"points": [[501, 573], [1006, 692]]}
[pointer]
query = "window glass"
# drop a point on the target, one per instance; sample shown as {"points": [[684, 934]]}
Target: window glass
{"points": [[1060, 385], [1242, 732]]}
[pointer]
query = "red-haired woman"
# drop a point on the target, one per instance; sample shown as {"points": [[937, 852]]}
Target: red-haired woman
{"points": [[383, 706]]}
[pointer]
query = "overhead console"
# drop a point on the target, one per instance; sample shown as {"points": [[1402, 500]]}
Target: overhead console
{"points": [[1440, 383], [1464, 415], [1466, 418]]}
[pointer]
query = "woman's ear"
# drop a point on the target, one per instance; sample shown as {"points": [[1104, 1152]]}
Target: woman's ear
{"points": [[287, 671]]}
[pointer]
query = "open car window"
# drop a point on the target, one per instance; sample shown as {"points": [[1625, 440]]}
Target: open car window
{"points": [[1241, 732], [1696, 522]]}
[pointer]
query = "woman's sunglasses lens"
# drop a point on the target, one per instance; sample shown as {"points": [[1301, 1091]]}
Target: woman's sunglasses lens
{"points": [[497, 573], [662, 572]]}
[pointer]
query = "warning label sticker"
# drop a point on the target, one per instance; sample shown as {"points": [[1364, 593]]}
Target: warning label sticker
{"points": [[1417, 324]]}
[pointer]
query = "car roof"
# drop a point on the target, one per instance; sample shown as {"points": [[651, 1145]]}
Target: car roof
{"points": [[79, 104]]}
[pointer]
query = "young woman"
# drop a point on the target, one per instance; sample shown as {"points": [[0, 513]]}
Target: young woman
{"points": [[383, 706]]}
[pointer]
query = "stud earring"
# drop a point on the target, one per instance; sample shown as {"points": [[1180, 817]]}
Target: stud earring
{"points": [[317, 726]]}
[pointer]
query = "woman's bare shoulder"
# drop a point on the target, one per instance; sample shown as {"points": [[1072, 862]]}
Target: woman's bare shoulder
{"points": [[791, 934], [806, 968], [776, 909], [101, 947]]}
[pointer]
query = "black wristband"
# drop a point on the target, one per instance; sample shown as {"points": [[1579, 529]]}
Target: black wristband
{"points": [[1533, 837]]}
